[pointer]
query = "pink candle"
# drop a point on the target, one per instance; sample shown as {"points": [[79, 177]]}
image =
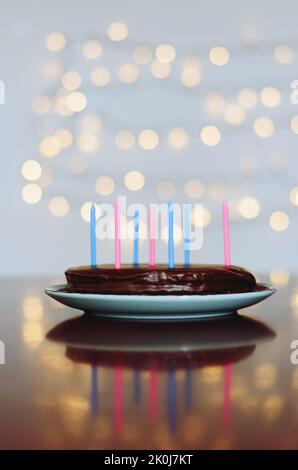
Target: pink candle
{"points": [[151, 235], [226, 233], [117, 236]]}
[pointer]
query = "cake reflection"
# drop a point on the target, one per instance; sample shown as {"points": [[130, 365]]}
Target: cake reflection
{"points": [[162, 351]]}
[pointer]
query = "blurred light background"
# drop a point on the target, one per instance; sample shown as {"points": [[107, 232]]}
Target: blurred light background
{"points": [[188, 100]]}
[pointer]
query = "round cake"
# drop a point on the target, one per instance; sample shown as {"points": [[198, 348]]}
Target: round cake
{"points": [[160, 280]]}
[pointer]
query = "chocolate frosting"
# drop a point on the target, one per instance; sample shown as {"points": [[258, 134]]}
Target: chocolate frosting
{"points": [[160, 280]]}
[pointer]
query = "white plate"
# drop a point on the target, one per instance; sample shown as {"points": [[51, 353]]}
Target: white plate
{"points": [[160, 307]]}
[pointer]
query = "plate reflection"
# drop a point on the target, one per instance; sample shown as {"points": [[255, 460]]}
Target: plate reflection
{"points": [[153, 348]]}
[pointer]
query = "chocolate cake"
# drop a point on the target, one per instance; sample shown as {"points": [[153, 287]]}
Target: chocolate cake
{"points": [[160, 280]]}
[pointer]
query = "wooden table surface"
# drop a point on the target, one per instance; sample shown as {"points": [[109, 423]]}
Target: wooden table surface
{"points": [[71, 382]]}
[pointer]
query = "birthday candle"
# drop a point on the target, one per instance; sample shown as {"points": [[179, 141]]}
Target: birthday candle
{"points": [[151, 235], [171, 236], [226, 233], [187, 235], [117, 236], [93, 235], [136, 239]]}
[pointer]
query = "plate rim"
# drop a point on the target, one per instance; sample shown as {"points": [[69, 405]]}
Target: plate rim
{"points": [[56, 289]]}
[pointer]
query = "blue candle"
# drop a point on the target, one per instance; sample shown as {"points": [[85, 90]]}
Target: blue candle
{"points": [[136, 239], [187, 235], [171, 236], [93, 235]]}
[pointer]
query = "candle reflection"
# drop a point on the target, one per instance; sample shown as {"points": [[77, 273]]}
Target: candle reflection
{"points": [[172, 400], [137, 386], [188, 389], [94, 390], [118, 400], [157, 349], [153, 395], [227, 395]]}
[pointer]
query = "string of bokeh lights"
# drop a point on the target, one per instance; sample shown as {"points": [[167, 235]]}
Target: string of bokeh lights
{"points": [[69, 99]]}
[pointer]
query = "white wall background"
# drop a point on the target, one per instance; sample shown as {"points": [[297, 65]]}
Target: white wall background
{"points": [[32, 240]]}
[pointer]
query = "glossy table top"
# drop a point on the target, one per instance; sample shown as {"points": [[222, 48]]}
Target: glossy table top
{"points": [[71, 382]]}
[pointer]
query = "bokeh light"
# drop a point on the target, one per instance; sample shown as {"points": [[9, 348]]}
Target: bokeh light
{"points": [[91, 122], [178, 138], [148, 139], [117, 31], [247, 98], [125, 139], [234, 114], [76, 101], [294, 124], [200, 217], [270, 96], [64, 137], [49, 147], [142, 55], [55, 42], [100, 76], [279, 277], [159, 70], [294, 196], [283, 54], [92, 49], [279, 221], [134, 180], [71, 80], [215, 103], [190, 76], [194, 189], [210, 135], [249, 207], [165, 53], [31, 193], [104, 185], [264, 127], [219, 55], [87, 142], [58, 206], [128, 73], [31, 170]]}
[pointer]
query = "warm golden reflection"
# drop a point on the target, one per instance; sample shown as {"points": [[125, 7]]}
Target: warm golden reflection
{"points": [[32, 308], [265, 376], [33, 333]]}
